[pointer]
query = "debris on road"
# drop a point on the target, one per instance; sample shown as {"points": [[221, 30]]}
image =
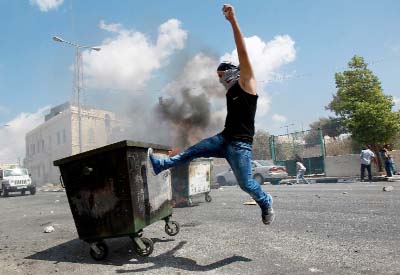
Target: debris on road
{"points": [[344, 193], [250, 202], [50, 187], [312, 269], [387, 188], [49, 229]]}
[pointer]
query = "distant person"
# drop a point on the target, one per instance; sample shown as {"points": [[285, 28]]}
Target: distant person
{"points": [[234, 143], [300, 171], [392, 165], [366, 156], [384, 153]]}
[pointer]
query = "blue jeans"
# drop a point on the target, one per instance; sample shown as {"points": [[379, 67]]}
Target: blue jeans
{"points": [[237, 153], [368, 167], [388, 168], [300, 175]]}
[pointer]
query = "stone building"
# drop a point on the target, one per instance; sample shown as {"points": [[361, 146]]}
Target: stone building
{"points": [[58, 137]]}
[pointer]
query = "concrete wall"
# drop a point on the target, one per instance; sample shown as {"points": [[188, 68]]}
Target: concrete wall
{"points": [[349, 165]]}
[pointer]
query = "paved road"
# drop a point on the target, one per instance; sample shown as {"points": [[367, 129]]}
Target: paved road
{"points": [[349, 228]]}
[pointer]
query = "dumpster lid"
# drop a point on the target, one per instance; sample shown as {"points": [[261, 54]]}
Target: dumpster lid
{"points": [[117, 145]]}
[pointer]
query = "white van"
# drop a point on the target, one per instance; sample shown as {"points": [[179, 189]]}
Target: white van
{"points": [[16, 180]]}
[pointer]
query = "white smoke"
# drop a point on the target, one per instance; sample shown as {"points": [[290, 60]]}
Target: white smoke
{"points": [[267, 58], [46, 5], [12, 134], [278, 119], [127, 61], [199, 77]]}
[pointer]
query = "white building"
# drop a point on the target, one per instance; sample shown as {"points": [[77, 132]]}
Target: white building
{"points": [[58, 137]]}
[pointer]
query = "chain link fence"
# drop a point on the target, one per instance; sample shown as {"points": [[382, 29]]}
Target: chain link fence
{"points": [[309, 145]]}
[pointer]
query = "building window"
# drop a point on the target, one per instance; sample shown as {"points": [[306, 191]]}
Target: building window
{"points": [[64, 135], [42, 145], [107, 122], [91, 137], [58, 138]]}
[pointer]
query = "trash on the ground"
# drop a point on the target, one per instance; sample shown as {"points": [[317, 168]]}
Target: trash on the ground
{"points": [[48, 229], [387, 188], [50, 187], [57, 201], [250, 202]]}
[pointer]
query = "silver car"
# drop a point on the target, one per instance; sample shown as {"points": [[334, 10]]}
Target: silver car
{"points": [[262, 171]]}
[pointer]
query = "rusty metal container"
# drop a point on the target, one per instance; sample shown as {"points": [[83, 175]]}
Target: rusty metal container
{"points": [[191, 179], [112, 193]]}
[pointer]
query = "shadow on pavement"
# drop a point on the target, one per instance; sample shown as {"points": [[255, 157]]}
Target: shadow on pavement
{"points": [[77, 251], [168, 259]]}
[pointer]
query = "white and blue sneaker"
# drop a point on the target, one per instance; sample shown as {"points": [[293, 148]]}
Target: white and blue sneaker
{"points": [[154, 162]]}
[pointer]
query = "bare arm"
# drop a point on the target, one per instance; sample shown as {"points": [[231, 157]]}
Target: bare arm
{"points": [[247, 79]]}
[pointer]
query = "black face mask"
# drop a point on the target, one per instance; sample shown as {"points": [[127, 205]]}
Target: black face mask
{"points": [[230, 78], [231, 74]]}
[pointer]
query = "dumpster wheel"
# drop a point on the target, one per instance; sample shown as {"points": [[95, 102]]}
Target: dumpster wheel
{"points": [[208, 197], [98, 251], [149, 247], [172, 228]]}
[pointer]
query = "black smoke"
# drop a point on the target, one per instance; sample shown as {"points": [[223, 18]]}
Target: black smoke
{"points": [[188, 115]]}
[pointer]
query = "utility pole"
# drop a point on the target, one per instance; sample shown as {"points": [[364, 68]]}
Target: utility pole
{"points": [[287, 128], [78, 80]]}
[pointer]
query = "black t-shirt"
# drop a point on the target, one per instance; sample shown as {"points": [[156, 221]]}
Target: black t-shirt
{"points": [[239, 122]]}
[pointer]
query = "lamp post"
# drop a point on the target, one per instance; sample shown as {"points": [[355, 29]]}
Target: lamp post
{"points": [[287, 128], [78, 76]]}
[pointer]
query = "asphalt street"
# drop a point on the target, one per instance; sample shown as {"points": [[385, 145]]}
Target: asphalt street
{"points": [[344, 228]]}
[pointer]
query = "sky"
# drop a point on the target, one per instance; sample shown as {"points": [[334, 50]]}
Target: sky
{"points": [[154, 49]]}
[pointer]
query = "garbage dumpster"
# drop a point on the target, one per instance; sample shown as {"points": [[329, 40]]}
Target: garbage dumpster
{"points": [[191, 179], [112, 193]]}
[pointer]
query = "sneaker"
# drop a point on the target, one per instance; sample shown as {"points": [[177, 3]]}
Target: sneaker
{"points": [[268, 215], [153, 161]]}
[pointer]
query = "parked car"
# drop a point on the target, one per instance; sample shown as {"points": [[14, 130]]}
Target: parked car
{"points": [[262, 171], [16, 179]]}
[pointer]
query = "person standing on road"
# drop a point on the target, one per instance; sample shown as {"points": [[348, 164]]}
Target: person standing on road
{"points": [[234, 143], [392, 165], [384, 153], [366, 157], [300, 171]]}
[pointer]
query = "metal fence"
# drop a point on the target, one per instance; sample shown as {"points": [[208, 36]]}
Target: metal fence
{"points": [[309, 145]]}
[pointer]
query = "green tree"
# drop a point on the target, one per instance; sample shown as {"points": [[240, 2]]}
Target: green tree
{"points": [[331, 126], [261, 145], [363, 107]]}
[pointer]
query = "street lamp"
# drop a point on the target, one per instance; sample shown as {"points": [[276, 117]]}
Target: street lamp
{"points": [[287, 128], [78, 76]]}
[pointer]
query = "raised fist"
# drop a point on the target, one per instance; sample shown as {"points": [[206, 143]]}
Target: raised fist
{"points": [[228, 11]]}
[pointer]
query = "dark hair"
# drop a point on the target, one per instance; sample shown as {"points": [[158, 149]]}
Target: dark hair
{"points": [[226, 66], [298, 158]]}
